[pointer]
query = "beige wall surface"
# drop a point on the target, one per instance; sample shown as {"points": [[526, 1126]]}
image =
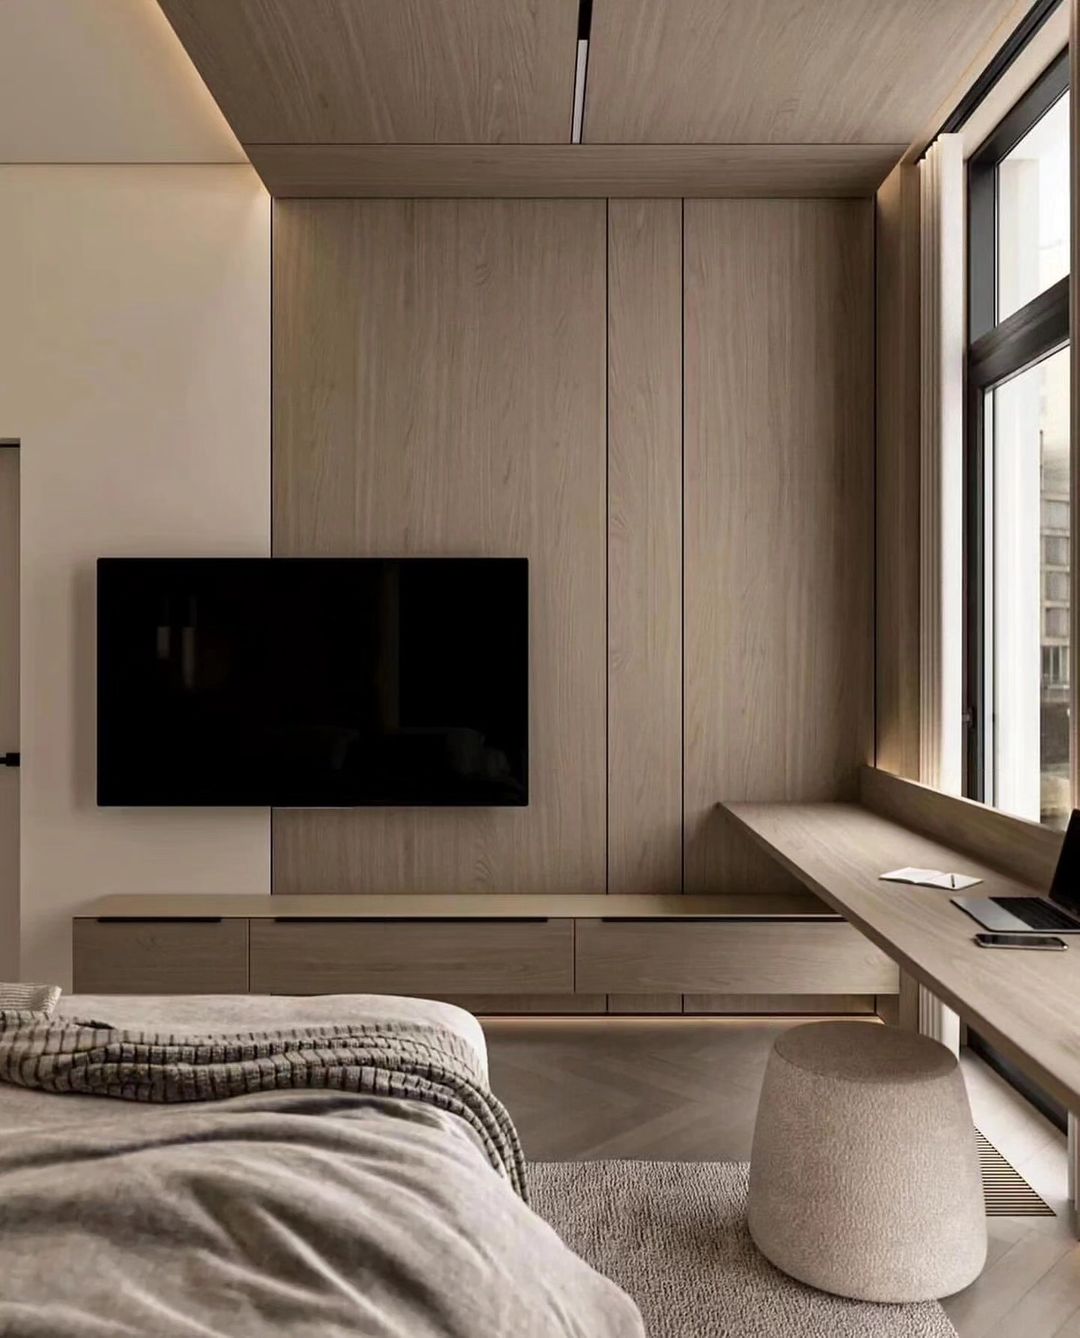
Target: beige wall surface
{"points": [[134, 366], [103, 81]]}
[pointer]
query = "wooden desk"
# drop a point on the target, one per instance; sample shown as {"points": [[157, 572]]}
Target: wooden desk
{"points": [[1026, 1004]]}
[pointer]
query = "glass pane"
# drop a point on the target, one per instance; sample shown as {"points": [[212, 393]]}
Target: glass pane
{"points": [[1033, 211], [1028, 547]]}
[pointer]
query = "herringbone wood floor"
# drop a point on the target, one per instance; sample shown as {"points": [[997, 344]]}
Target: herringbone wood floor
{"points": [[682, 1089]]}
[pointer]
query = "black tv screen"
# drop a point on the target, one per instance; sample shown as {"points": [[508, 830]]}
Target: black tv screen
{"points": [[312, 682]]}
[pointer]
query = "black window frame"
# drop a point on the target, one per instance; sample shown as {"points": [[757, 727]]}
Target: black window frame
{"points": [[996, 352]]}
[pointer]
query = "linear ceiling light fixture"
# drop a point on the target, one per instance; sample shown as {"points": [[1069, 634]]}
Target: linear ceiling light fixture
{"points": [[581, 68]]}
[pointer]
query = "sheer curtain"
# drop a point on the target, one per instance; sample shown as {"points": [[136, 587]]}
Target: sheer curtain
{"points": [[943, 218], [943, 340]]}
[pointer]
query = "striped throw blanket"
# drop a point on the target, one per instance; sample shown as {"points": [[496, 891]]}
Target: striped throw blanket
{"points": [[412, 1063]]}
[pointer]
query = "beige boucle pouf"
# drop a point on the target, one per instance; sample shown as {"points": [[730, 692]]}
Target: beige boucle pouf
{"points": [[864, 1177]]}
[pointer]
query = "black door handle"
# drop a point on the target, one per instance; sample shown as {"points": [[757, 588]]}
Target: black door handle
{"points": [[9, 759]]}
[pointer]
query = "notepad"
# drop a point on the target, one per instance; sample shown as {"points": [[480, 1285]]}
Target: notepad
{"points": [[951, 882]]}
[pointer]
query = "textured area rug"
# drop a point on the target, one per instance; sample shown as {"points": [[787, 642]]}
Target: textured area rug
{"points": [[673, 1235]]}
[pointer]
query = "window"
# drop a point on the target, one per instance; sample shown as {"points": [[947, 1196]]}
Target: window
{"points": [[1017, 469], [1033, 212]]}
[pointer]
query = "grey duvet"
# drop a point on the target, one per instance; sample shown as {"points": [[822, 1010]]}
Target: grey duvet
{"points": [[306, 1209]]}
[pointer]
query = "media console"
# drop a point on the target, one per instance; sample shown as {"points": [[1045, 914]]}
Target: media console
{"points": [[456, 946]]}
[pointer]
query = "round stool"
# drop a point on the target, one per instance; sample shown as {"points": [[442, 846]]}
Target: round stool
{"points": [[864, 1177]]}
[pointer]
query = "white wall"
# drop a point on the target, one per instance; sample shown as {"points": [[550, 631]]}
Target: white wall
{"points": [[134, 367]]}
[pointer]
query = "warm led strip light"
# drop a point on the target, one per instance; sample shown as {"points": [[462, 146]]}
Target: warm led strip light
{"points": [[578, 117]]}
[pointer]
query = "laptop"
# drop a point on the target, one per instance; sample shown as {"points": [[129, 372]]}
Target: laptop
{"points": [[1059, 915]]}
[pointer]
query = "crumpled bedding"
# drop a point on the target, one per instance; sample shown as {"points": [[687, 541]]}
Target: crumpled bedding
{"points": [[299, 1212]]}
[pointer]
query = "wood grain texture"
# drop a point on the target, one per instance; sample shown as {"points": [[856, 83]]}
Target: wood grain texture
{"points": [[312, 71], [412, 957], [439, 388], [1010, 16], [1024, 850], [907, 1003], [692, 71], [740, 957], [1023, 1003], [644, 1004], [661, 1088], [700, 171], [781, 1005], [779, 522], [549, 1005], [483, 906], [161, 957], [645, 546], [897, 505]]}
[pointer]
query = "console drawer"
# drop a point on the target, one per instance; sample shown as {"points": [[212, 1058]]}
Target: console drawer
{"points": [[160, 956], [412, 956], [729, 957]]}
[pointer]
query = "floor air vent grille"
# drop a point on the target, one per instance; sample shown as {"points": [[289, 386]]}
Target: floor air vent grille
{"points": [[1006, 1191]]}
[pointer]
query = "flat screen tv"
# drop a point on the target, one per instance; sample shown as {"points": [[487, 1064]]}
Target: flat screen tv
{"points": [[312, 682]]}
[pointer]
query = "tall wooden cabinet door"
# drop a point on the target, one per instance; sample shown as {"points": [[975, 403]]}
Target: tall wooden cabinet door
{"points": [[779, 561], [645, 727], [439, 390]]}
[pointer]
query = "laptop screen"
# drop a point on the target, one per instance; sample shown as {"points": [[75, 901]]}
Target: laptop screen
{"points": [[1065, 889]]}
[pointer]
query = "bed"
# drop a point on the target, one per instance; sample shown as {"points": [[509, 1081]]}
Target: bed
{"points": [[302, 1212]]}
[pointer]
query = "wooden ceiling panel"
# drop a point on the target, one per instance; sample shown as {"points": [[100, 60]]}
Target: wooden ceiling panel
{"points": [[385, 71], [777, 71]]}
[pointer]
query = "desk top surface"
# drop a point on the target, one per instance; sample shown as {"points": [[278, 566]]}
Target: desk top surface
{"points": [[1026, 1004]]}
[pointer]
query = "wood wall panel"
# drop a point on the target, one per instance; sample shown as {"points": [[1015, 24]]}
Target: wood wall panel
{"points": [[569, 170], [898, 454], [645, 546], [774, 71], [779, 517], [439, 388], [369, 71], [1024, 850]]}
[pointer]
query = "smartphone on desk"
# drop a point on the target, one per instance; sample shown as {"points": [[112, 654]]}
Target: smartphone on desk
{"points": [[1040, 942]]}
